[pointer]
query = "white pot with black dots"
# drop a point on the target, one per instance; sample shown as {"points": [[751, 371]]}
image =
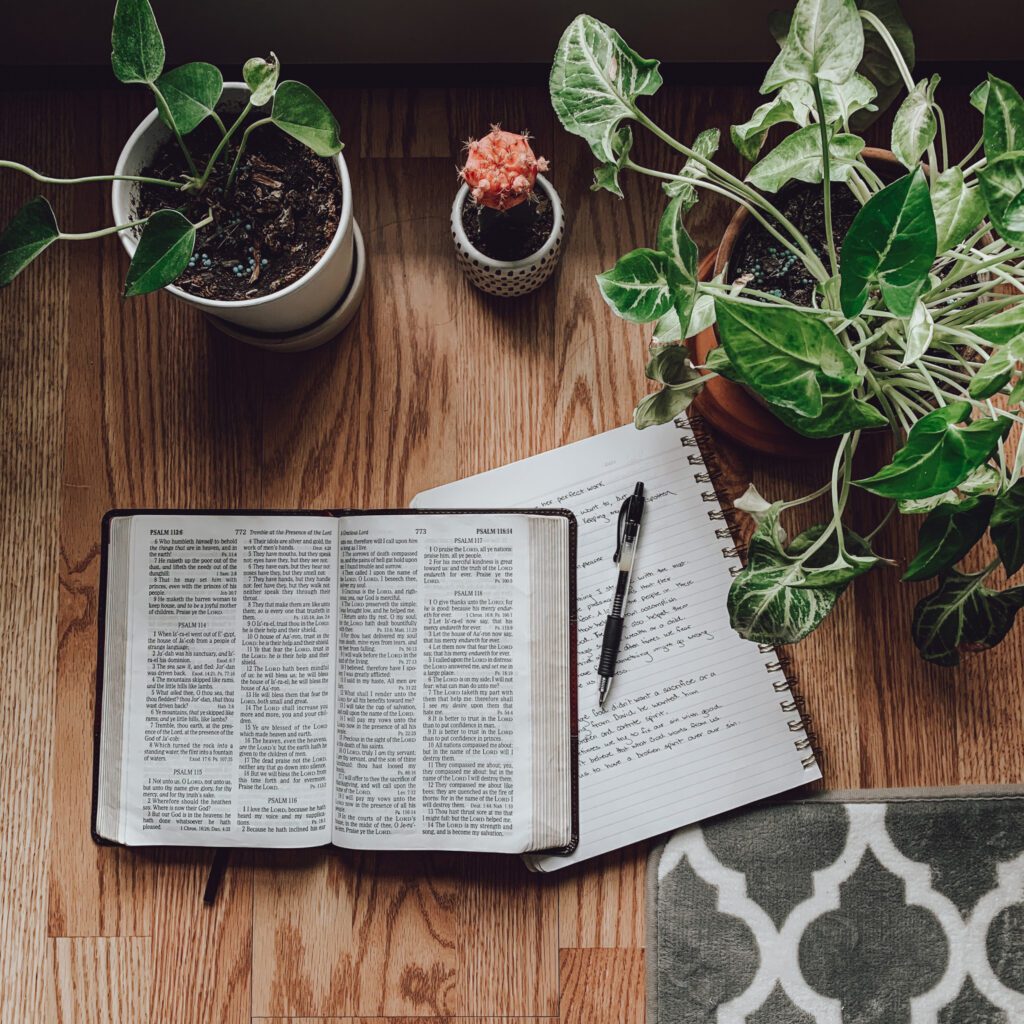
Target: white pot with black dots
{"points": [[507, 220]]}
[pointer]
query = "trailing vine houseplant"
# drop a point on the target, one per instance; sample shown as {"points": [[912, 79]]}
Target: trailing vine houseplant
{"points": [[915, 324], [186, 98]]}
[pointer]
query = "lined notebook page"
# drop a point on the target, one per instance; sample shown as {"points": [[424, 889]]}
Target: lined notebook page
{"points": [[693, 726]]}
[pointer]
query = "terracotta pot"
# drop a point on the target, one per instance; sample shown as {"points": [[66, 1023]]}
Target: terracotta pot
{"points": [[733, 409]]}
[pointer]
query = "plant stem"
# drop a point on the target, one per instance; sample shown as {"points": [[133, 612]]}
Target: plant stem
{"points": [[794, 502], [970, 153], [218, 122], [838, 502], [761, 298], [1018, 460], [47, 180], [897, 55], [84, 236], [941, 118], [976, 268], [241, 147], [858, 187], [872, 179], [826, 171], [162, 105], [895, 423], [215, 155], [742, 187], [815, 268], [888, 515]]}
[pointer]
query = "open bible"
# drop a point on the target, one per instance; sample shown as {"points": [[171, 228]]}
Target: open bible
{"points": [[375, 680]]}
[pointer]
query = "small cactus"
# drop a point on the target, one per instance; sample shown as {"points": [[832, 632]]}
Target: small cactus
{"points": [[501, 169]]}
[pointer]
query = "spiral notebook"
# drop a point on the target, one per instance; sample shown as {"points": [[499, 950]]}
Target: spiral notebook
{"points": [[699, 720]]}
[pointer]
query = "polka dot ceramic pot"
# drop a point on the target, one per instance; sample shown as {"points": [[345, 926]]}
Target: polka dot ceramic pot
{"points": [[508, 277]]}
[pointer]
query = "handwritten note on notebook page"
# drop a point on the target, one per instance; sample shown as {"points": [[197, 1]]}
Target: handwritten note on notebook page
{"points": [[694, 725]]}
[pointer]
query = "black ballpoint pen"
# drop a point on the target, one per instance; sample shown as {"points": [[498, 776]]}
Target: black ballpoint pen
{"points": [[628, 532]]}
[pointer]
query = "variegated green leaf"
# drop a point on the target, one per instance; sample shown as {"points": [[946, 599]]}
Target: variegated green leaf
{"points": [[595, 81]]}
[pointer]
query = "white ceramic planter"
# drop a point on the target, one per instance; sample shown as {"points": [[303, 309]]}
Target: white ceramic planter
{"points": [[303, 302], [508, 277]]}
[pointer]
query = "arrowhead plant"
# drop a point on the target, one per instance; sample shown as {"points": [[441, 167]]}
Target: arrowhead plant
{"points": [[915, 327], [185, 97]]}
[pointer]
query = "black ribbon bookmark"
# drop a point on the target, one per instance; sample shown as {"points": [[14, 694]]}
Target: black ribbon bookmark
{"points": [[216, 875]]}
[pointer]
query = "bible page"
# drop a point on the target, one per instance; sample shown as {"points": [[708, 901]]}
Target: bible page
{"points": [[433, 725], [230, 656], [693, 726]]}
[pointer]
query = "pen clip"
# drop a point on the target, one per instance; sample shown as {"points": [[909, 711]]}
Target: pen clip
{"points": [[619, 531]]}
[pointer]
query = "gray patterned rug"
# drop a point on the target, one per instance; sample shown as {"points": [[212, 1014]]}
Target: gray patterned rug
{"points": [[894, 907]]}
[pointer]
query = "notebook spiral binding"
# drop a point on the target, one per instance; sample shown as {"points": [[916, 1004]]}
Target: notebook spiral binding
{"points": [[784, 683]]}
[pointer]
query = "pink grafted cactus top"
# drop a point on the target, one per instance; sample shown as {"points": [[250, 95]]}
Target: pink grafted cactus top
{"points": [[501, 169]]}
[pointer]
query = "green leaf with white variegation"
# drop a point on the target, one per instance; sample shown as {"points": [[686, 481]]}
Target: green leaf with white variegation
{"points": [[667, 329], [891, 244], [796, 364], [637, 286], [1002, 328], [705, 145], [825, 42], [788, 356], [1001, 182], [1007, 527], [919, 506], [841, 413], [765, 602], [717, 361], [595, 81], [914, 127], [136, 46], [606, 176], [164, 248], [920, 332], [840, 100], [947, 534], [299, 112], [877, 64], [669, 366], [30, 231], [942, 448], [798, 158], [703, 315], [958, 209], [663, 406], [261, 76], [755, 506], [188, 95], [681, 269], [984, 480], [963, 614], [827, 566], [749, 137], [979, 96], [994, 374], [1004, 119]]}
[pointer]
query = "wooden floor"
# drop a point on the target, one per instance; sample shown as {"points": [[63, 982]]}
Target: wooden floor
{"points": [[105, 403]]}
